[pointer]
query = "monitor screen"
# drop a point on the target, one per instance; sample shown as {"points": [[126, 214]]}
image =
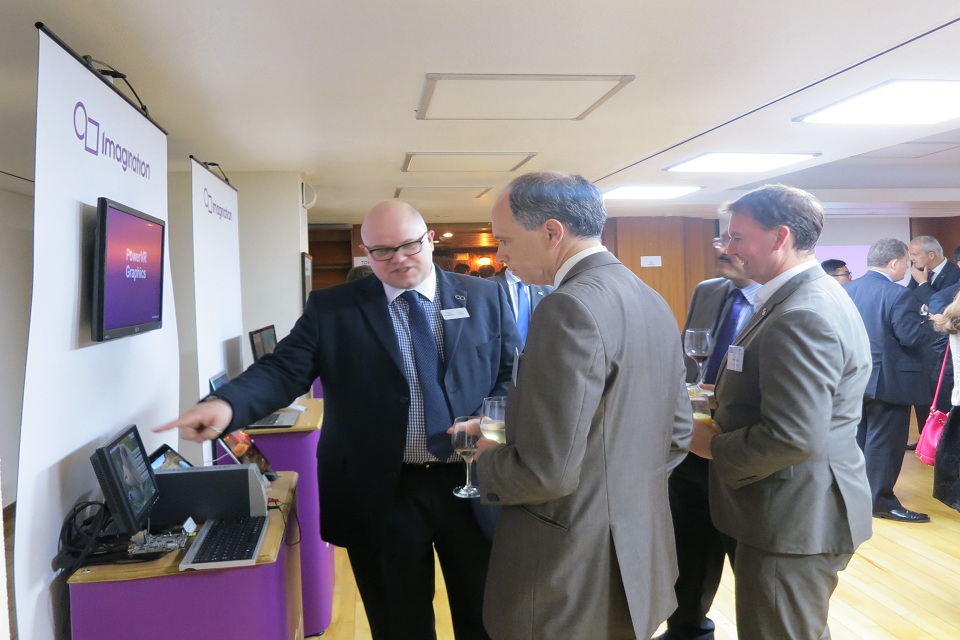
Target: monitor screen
{"points": [[218, 381], [126, 479], [128, 272], [263, 341]]}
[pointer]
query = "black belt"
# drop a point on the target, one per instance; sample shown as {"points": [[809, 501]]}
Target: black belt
{"points": [[430, 465]]}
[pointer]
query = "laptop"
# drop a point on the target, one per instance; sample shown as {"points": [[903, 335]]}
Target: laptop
{"points": [[276, 420]]}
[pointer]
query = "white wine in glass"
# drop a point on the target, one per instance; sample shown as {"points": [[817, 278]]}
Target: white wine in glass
{"points": [[698, 345], [466, 432], [492, 423]]}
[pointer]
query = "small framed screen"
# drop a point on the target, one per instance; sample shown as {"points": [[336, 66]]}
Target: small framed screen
{"points": [[126, 479], [263, 341]]}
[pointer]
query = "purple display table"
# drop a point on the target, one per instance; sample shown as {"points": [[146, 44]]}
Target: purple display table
{"points": [[295, 448], [155, 601]]}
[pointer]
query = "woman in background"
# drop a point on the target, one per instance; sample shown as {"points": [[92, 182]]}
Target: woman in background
{"points": [[946, 468]]}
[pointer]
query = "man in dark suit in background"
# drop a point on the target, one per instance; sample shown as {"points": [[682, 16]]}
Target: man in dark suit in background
{"points": [[723, 305], [524, 298], [930, 272], [400, 355], [899, 335]]}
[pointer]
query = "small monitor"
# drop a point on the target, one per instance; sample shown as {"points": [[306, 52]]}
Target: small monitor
{"points": [[263, 341], [218, 381], [127, 272], [126, 479]]}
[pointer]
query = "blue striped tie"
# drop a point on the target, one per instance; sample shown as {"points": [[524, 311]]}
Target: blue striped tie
{"points": [[523, 311], [436, 413]]}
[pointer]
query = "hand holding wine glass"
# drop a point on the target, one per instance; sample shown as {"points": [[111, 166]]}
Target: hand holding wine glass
{"points": [[698, 345], [464, 435], [492, 424]]}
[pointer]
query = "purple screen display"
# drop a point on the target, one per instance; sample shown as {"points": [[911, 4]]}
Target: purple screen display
{"points": [[132, 292]]}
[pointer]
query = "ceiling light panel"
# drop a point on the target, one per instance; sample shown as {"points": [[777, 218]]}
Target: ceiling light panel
{"points": [[740, 162], [437, 193], [467, 96], [895, 102], [465, 161], [648, 193]]}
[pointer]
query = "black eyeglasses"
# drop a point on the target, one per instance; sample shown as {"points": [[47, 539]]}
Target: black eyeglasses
{"points": [[847, 274], [382, 254]]}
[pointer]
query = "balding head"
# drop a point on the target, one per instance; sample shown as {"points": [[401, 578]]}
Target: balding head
{"points": [[394, 224]]}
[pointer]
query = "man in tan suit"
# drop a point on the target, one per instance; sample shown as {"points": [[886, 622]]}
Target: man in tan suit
{"points": [[787, 479], [597, 417]]}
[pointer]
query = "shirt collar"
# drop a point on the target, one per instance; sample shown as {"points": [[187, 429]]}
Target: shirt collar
{"points": [[511, 277], [574, 259], [750, 292], [883, 273], [766, 291], [427, 288]]}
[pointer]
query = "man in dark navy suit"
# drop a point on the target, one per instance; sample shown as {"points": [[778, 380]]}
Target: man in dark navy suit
{"points": [[399, 355], [516, 292], [899, 336]]}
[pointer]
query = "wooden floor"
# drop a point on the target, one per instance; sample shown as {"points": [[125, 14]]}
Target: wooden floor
{"points": [[904, 583]]}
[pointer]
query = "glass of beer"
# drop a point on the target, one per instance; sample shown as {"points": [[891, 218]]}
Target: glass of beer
{"points": [[492, 418]]}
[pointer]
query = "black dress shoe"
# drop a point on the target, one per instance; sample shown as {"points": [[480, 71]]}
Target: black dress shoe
{"points": [[902, 515], [912, 446]]}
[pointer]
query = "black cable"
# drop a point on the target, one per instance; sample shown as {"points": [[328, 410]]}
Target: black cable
{"points": [[273, 503], [112, 72]]}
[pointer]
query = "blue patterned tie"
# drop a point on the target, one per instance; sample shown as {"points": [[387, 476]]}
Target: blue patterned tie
{"points": [[436, 413], [725, 335], [523, 311]]}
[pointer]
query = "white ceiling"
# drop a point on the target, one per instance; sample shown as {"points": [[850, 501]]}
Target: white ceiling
{"points": [[333, 89]]}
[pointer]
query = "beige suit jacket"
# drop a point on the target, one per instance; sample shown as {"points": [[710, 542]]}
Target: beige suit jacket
{"points": [[787, 475], [598, 418]]}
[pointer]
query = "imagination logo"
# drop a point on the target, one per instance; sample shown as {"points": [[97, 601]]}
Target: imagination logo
{"points": [[221, 212], [98, 143]]}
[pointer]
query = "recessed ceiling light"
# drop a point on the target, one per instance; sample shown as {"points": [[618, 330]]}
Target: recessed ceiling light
{"points": [[740, 162], [648, 193], [895, 102], [448, 235]]}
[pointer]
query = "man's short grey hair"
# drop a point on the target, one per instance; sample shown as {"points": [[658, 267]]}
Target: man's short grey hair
{"points": [[927, 244], [773, 205], [883, 251], [570, 199]]}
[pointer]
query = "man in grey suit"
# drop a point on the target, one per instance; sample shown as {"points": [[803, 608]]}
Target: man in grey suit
{"points": [[524, 298], [787, 479], [597, 417]]}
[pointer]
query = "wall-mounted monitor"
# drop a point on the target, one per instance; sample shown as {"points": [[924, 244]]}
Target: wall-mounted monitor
{"points": [[126, 479], [263, 341], [127, 272]]}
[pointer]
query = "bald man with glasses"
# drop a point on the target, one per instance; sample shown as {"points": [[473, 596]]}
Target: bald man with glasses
{"points": [[400, 354]]}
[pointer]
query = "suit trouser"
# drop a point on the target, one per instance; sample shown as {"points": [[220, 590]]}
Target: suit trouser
{"points": [[700, 550], [395, 574], [882, 436], [785, 596]]}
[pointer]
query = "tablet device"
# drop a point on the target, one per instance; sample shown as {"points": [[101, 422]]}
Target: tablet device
{"points": [[241, 449], [165, 457]]}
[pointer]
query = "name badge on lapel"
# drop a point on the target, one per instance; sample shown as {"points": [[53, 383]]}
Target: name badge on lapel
{"points": [[453, 314], [735, 358]]}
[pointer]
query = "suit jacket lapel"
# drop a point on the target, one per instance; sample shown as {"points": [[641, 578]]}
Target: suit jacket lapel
{"points": [[372, 302], [766, 310], [450, 297]]}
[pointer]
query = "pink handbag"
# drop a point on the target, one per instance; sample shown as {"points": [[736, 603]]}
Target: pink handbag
{"points": [[933, 427]]}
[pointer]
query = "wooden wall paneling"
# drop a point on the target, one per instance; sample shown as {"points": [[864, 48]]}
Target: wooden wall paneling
{"points": [[945, 230]]}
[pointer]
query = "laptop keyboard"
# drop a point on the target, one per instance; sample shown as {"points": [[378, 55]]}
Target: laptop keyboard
{"points": [[226, 542]]}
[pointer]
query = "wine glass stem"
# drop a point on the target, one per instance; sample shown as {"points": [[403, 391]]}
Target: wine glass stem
{"points": [[700, 373], [469, 462]]}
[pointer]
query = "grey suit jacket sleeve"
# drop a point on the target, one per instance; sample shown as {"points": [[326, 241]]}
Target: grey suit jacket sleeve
{"points": [[798, 379], [543, 459]]}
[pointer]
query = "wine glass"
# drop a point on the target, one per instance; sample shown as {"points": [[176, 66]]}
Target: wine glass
{"points": [[492, 423], [466, 432], [698, 345]]}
